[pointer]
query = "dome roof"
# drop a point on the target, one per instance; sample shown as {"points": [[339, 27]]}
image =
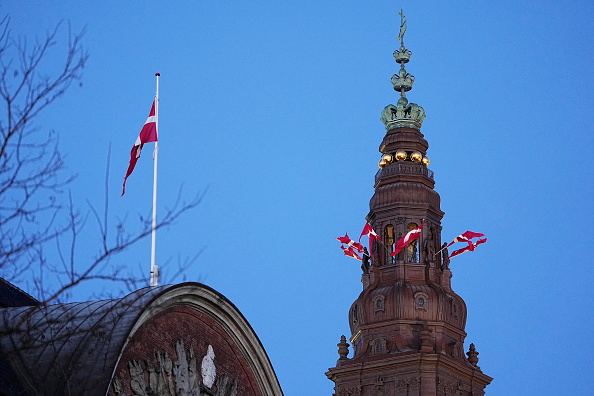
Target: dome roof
{"points": [[75, 348], [401, 193], [79, 341], [405, 301]]}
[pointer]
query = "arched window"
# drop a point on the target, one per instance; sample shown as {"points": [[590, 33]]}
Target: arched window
{"points": [[389, 242], [378, 304], [412, 252], [379, 346]]}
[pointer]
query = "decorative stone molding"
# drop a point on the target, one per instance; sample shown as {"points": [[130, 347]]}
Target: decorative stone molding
{"points": [[473, 355], [343, 349], [426, 341]]}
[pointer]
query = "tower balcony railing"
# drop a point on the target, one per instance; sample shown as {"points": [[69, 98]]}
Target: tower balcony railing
{"points": [[403, 168]]}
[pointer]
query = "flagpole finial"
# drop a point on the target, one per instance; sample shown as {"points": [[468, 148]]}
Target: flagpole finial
{"points": [[157, 74]]}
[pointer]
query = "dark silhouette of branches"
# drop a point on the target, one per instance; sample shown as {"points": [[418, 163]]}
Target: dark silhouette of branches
{"points": [[36, 210], [30, 162]]}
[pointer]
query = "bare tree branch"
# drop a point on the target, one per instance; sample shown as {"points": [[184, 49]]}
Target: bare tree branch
{"points": [[35, 211], [29, 166]]}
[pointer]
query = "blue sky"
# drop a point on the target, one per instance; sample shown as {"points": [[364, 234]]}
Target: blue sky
{"points": [[274, 107]]}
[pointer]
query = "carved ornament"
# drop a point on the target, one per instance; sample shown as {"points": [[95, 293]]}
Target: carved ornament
{"points": [[177, 376], [353, 391], [405, 384], [448, 387], [403, 114]]}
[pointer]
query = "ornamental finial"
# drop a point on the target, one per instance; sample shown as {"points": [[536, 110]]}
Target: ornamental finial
{"points": [[402, 81], [402, 27], [403, 114]]}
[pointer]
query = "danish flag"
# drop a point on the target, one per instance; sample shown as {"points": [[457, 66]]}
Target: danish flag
{"points": [[466, 237], [368, 230], [405, 240], [468, 248], [147, 134], [349, 242], [348, 251]]}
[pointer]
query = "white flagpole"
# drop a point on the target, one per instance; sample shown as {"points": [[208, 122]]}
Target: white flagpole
{"points": [[154, 279]]}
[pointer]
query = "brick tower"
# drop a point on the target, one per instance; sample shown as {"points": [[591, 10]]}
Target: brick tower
{"points": [[407, 325]]}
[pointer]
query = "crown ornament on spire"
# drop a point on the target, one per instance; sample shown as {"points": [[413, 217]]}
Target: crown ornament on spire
{"points": [[402, 81], [403, 114]]}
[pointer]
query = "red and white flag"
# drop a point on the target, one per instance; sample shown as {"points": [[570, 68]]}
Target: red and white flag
{"points": [[368, 230], [405, 240], [469, 248], [349, 251], [147, 134], [466, 237], [349, 242]]}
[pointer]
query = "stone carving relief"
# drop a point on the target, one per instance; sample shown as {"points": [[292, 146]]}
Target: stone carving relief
{"points": [[209, 371], [178, 376], [454, 349], [455, 308], [429, 246], [445, 257], [354, 314], [379, 389], [354, 391], [376, 256], [406, 384], [449, 387]]}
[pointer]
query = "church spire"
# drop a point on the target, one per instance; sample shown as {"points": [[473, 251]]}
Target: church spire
{"points": [[407, 325]]}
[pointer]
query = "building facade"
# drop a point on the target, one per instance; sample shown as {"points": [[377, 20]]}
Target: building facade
{"points": [[171, 340], [407, 325]]}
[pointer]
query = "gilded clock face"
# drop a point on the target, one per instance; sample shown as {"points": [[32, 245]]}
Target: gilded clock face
{"points": [[208, 369]]}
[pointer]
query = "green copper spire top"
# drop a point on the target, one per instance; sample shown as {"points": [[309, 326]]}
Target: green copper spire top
{"points": [[402, 28], [402, 81], [403, 114]]}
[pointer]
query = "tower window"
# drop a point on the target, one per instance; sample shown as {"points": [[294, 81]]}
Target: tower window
{"points": [[389, 241], [379, 346], [378, 304], [412, 252], [421, 301], [354, 314]]}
